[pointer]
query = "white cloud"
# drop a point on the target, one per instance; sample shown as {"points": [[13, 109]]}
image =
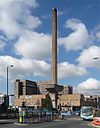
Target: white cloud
{"points": [[87, 55], [98, 35], [66, 70], [89, 87], [0, 85], [34, 45], [27, 67], [2, 42], [15, 16], [77, 39], [23, 67], [96, 32], [2, 45], [0, 81]]}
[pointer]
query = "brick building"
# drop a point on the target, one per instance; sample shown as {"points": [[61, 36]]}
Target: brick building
{"points": [[31, 92], [31, 100], [75, 101], [24, 87]]}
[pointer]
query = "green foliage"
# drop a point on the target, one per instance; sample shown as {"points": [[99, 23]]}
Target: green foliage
{"points": [[47, 103]]}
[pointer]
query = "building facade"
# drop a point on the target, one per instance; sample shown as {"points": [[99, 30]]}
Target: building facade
{"points": [[30, 100], [33, 93], [24, 87], [42, 87], [25, 90], [69, 102], [74, 102], [66, 90]]}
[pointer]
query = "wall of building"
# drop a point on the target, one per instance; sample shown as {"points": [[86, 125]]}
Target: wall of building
{"points": [[24, 87], [89, 101], [18, 88], [75, 101], [30, 100], [24, 90], [66, 90], [69, 100], [29, 87], [42, 87]]}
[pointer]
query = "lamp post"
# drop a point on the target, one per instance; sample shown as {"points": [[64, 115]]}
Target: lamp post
{"points": [[7, 102], [96, 58]]}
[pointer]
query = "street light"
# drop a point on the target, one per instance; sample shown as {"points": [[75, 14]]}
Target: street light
{"points": [[96, 58], [7, 102]]}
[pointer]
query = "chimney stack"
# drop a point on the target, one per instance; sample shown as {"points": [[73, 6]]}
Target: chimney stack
{"points": [[54, 46]]}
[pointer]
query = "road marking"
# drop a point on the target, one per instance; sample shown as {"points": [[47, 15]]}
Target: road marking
{"points": [[19, 124], [3, 120], [73, 119]]}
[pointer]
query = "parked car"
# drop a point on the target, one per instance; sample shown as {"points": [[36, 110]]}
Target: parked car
{"points": [[76, 112], [65, 113], [49, 113]]}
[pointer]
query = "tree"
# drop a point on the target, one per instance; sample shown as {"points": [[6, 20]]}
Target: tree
{"points": [[47, 103]]}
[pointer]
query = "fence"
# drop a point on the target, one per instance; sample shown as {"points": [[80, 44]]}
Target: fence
{"points": [[28, 116]]}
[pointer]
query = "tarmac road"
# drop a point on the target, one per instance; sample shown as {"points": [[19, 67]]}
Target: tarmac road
{"points": [[74, 122]]}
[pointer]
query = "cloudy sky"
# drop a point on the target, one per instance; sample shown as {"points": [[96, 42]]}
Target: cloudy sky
{"points": [[26, 41]]}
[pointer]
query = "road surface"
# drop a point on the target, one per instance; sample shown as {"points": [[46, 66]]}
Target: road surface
{"points": [[73, 122]]}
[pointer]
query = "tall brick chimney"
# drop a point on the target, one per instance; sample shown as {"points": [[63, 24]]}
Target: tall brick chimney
{"points": [[54, 46]]}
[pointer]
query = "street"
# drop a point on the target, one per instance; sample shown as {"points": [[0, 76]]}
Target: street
{"points": [[70, 122]]}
